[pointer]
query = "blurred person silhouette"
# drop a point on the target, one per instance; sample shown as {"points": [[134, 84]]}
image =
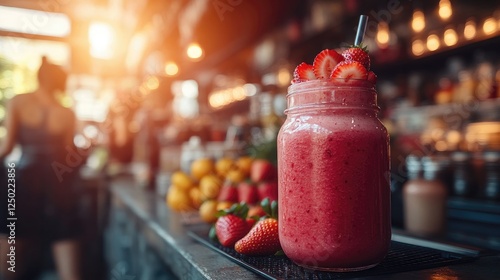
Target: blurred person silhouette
{"points": [[45, 200], [153, 116], [121, 128]]}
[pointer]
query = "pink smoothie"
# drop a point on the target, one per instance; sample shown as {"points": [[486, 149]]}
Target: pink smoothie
{"points": [[333, 166]]}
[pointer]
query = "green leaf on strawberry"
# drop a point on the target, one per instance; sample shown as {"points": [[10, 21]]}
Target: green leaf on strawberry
{"points": [[270, 207], [232, 224]]}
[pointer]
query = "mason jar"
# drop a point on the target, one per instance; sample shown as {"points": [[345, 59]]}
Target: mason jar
{"points": [[334, 177]]}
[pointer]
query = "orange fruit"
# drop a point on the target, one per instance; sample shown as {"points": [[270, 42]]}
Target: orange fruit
{"points": [[207, 211], [178, 200], [244, 164], [196, 197], [223, 205], [223, 165], [202, 167], [210, 186], [181, 180], [236, 176]]}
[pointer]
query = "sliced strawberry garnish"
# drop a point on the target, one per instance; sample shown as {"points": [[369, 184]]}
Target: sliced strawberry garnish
{"points": [[359, 54], [349, 70], [303, 72], [324, 63], [372, 77]]}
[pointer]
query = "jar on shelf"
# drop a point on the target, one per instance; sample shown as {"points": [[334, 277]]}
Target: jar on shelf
{"points": [[191, 150], [444, 93], [464, 90], [485, 76], [497, 83], [492, 178], [463, 185], [424, 197], [444, 168]]}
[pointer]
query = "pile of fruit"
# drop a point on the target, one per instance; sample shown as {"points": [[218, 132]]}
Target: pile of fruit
{"points": [[214, 185]]}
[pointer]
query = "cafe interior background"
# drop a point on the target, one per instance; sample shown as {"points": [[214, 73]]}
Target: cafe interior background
{"points": [[227, 65]]}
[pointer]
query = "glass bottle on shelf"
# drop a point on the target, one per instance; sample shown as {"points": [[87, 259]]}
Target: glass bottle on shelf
{"points": [[463, 185], [492, 178], [464, 91], [497, 82], [424, 197], [485, 76], [444, 94]]}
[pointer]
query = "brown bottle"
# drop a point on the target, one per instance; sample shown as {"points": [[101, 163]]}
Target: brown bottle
{"points": [[424, 198]]}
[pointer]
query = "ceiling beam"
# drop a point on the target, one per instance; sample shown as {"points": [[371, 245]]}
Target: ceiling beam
{"points": [[4, 33], [53, 6]]}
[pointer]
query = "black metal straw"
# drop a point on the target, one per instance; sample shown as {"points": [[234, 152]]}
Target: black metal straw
{"points": [[363, 20]]}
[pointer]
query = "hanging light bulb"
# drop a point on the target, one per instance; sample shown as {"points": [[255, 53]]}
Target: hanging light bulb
{"points": [[418, 21], [383, 35], [445, 10], [489, 26], [417, 47], [194, 51], [450, 37], [171, 68], [497, 16], [433, 42], [470, 30]]}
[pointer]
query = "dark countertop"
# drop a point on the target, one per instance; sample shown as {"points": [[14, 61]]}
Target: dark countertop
{"points": [[165, 231]]}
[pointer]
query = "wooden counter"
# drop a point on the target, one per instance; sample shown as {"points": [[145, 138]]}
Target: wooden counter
{"points": [[146, 240]]}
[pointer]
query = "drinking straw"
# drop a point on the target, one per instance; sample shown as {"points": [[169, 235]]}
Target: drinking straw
{"points": [[363, 20]]}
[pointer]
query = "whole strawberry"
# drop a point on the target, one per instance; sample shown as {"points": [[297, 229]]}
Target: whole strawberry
{"points": [[228, 192], [268, 190], [232, 225], [247, 192], [359, 54], [263, 238]]}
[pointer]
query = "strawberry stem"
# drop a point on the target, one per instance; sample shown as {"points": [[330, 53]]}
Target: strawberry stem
{"points": [[266, 206], [274, 209], [237, 209], [271, 209]]}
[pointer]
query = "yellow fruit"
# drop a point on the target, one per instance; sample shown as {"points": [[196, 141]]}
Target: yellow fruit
{"points": [[207, 211], [223, 205], [244, 164], [182, 181], [223, 165], [178, 200], [236, 176], [202, 167], [196, 197], [210, 186]]}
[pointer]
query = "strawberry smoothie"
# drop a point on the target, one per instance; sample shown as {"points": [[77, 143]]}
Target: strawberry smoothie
{"points": [[333, 174]]}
